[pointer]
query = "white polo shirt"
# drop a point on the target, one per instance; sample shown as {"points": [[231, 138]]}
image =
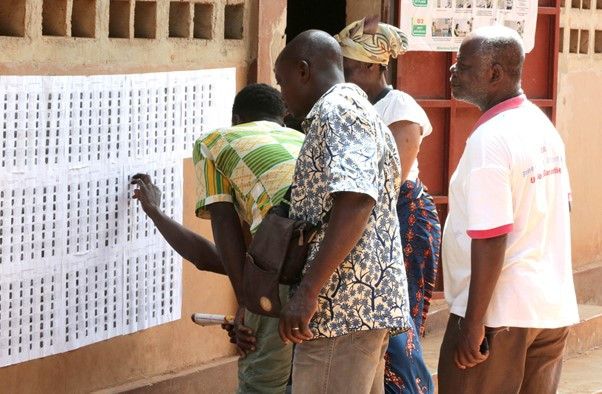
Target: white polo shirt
{"points": [[512, 179]]}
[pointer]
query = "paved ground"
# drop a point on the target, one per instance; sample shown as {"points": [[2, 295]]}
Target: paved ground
{"points": [[582, 370], [582, 374]]}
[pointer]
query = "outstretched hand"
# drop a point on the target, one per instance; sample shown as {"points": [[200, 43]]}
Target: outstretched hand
{"points": [[148, 194]]}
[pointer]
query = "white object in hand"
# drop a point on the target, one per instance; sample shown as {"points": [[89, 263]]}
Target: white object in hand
{"points": [[206, 319]]}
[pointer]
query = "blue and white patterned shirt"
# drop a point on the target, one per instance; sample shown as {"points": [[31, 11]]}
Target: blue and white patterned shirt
{"points": [[349, 149]]}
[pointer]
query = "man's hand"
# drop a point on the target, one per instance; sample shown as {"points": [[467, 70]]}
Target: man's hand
{"points": [[468, 353], [487, 259], [147, 193], [349, 217], [295, 317], [240, 335]]}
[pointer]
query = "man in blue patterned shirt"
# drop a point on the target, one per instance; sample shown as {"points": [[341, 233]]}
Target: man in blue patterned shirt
{"points": [[354, 291]]}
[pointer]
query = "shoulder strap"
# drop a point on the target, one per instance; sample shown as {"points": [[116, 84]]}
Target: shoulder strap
{"points": [[286, 199]]}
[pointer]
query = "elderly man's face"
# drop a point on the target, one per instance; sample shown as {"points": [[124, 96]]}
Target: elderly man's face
{"points": [[470, 75]]}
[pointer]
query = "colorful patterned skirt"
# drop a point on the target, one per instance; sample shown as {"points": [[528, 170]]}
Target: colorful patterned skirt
{"points": [[405, 371]]}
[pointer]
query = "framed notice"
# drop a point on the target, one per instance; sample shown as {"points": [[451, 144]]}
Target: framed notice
{"points": [[441, 25]]}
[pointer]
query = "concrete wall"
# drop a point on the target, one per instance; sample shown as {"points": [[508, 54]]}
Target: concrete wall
{"points": [[271, 24], [579, 120], [224, 33], [123, 49]]}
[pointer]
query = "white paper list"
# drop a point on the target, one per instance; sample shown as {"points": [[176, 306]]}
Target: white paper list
{"points": [[79, 260]]}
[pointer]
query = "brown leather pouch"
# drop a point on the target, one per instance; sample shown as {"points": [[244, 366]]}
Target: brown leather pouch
{"points": [[275, 256]]}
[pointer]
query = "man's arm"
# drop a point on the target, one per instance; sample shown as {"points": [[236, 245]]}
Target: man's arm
{"points": [[232, 249], [199, 250], [349, 217], [230, 243], [191, 246], [487, 259]]}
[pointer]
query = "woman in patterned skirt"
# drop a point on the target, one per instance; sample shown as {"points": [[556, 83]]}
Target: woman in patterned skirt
{"points": [[367, 47]]}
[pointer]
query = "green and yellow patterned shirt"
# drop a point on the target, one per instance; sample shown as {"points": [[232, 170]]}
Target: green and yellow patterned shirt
{"points": [[250, 165]]}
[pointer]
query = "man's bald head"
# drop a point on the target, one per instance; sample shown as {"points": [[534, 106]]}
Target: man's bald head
{"points": [[313, 46], [501, 45], [306, 68]]}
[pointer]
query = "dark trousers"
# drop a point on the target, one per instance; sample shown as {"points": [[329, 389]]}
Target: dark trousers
{"points": [[521, 360]]}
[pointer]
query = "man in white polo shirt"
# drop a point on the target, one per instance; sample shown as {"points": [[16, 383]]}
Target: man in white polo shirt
{"points": [[506, 242]]}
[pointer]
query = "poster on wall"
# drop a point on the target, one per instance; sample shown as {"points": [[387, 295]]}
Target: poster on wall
{"points": [[79, 260], [441, 25]]}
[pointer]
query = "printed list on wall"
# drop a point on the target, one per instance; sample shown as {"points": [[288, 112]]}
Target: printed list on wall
{"points": [[79, 260], [441, 25]]}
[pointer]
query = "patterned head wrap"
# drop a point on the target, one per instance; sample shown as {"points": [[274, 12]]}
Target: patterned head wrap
{"points": [[388, 41]]}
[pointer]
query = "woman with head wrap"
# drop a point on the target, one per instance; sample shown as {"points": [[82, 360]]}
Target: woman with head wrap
{"points": [[367, 47]]}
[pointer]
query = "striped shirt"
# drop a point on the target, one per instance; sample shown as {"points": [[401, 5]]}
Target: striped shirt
{"points": [[250, 165]]}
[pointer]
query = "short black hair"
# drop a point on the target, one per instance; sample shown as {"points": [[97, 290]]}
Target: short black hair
{"points": [[258, 101]]}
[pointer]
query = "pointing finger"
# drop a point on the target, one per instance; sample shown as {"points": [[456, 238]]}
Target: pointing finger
{"points": [[138, 182], [144, 177]]}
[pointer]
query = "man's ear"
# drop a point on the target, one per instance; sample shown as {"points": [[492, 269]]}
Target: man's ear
{"points": [[497, 72], [304, 71], [371, 66]]}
